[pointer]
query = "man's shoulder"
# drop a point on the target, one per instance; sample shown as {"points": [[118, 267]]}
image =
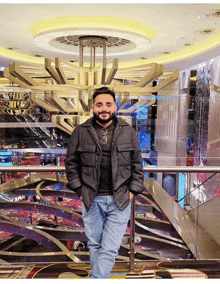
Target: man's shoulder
{"points": [[88, 122], [122, 122], [81, 126], [125, 124]]}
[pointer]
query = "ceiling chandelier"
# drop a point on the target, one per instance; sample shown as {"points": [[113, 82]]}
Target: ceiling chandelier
{"points": [[65, 89]]}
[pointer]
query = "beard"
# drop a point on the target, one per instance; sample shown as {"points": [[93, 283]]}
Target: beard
{"points": [[104, 121]]}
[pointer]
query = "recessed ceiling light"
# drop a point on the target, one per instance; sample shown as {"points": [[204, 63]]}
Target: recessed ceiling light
{"points": [[143, 58], [207, 31], [12, 48], [166, 52], [37, 55], [215, 14], [187, 44]]}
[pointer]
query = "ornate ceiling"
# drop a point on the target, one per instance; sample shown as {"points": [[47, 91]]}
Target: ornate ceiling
{"points": [[174, 35], [60, 53]]}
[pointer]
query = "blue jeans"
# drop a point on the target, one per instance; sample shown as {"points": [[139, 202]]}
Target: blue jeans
{"points": [[105, 226]]}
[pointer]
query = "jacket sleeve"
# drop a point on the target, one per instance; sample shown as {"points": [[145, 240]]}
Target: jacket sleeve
{"points": [[137, 173], [72, 163]]}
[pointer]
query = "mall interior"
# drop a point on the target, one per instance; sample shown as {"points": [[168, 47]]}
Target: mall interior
{"points": [[163, 63]]}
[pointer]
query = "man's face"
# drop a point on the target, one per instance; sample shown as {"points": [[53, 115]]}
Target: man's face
{"points": [[104, 108]]}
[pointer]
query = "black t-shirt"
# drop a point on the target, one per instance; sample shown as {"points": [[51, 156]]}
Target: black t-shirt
{"points": [[105, 181]]}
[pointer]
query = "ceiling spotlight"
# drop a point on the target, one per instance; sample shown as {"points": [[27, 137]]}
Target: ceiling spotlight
{"points": [[38, 55], [187, 44], [207, 31], [11, 48], [143, 58], [215, 14], [166, 52]]}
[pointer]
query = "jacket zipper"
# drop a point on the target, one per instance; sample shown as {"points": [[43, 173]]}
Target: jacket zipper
{"points": [[115, 136], [95, 137]]}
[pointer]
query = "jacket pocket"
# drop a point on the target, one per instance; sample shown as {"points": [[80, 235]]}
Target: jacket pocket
{"points": [[124, 154], [87, 155]]}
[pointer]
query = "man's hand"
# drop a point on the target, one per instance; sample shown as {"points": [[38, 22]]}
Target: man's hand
{"points": [[131, 195]]}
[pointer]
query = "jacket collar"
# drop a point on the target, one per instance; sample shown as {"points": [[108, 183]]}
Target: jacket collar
{"points": [[119, 121]]}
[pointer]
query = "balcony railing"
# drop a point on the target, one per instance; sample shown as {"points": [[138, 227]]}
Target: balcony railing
{"points": [[197, 247]]}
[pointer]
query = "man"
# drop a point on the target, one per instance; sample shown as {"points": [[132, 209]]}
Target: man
{"points": [[104, 168]]}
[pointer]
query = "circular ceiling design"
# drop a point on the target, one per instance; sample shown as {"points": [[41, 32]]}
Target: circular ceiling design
{"points": [[137, 33], [53, 41], [73, 40]]}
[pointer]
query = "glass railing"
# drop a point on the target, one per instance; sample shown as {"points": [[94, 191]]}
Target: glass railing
{"points": [[35, 204]]}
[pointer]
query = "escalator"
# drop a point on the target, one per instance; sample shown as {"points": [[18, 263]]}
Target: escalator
{"points": [[193, 231]]}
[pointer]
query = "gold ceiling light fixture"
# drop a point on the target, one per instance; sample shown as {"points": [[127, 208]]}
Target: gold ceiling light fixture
{"points": [[65, 88], [73, 40]]}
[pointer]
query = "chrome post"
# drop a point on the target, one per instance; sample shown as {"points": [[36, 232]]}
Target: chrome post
{"points": [[91, 57], [132, 234], [104, 63], [80, 54]]}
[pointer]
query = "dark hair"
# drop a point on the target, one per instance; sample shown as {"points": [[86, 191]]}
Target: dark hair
{"points": [[103, 90]]}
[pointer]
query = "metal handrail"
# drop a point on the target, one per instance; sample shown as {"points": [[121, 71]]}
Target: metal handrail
{"points": [[29, 169], [156, 169], [196, 187]]}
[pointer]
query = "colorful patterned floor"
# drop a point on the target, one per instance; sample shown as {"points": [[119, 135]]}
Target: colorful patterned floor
{"points": [[194, 269]]}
